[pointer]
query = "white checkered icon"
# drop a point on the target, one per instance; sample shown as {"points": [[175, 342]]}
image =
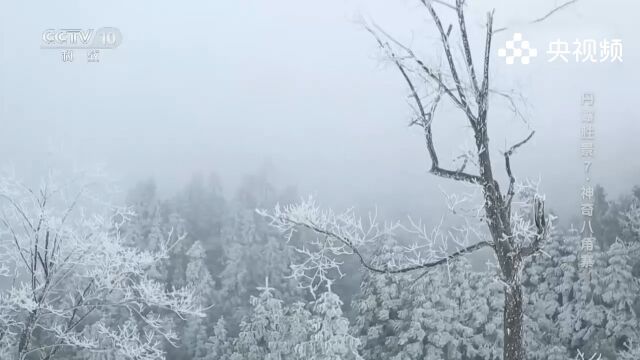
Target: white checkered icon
{"points": [[517, 48]]}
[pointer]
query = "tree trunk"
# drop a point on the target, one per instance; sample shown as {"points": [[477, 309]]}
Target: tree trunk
{"points": [[25, 337], [513, 323], [500, 228]]}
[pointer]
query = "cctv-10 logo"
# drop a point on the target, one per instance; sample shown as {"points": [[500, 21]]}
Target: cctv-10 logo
{"points": [[102, 38]]}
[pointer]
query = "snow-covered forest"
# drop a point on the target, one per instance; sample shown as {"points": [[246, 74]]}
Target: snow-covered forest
{"points": [[527, 258], [200, 276]]}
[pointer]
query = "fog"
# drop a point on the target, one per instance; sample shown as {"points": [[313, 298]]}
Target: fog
{"points": [[283, 99], [227, 87]]}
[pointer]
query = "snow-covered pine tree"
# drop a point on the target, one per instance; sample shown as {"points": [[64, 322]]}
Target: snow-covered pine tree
{"points": [[377, 305], [177, 264], [203, 208], [197, 274], [252, 253], [299, 324], [198, 278], [566, 268], [452, 313], [478, 312], [631, 222], [146, 230], [619, 292], [199, 210], [194, 339], [330, 338], [219, 345], [142, 201], [548, 282], [262, 335], [586, 308], [422, 317]]}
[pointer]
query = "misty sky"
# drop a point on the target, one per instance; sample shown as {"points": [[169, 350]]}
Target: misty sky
{"points": [[224, 86]]}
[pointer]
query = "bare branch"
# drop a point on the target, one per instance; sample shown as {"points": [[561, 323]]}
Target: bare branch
{"points": [[457, 175], [509, 97], [430, 73], [427, 118], [516, 146], [467, 48], [452, 65], [544, 17], [483, 97], [507, 161]]}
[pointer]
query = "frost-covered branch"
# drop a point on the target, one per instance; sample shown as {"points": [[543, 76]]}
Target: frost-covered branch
{"points": [[426, 116], [346, 234], [71, 266]]}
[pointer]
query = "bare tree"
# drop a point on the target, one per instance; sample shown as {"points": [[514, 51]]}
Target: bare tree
{"points": [[513, 235]]}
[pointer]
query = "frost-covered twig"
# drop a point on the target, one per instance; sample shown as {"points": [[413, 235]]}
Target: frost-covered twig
{"points": [[72, 267], [344, 233]]}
